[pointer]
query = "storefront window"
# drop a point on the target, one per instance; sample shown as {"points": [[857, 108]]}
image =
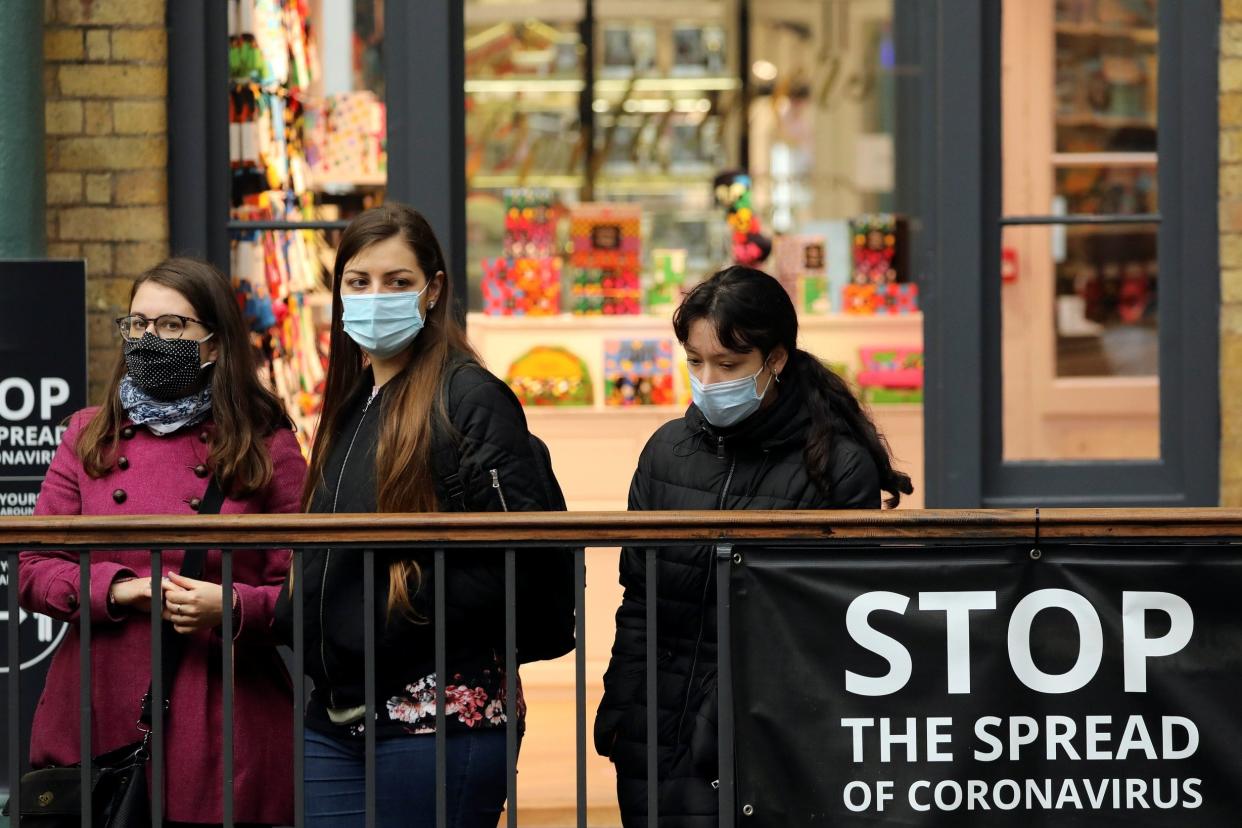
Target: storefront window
{"points": [[1079, 250], [307, 148], [606, 175]]}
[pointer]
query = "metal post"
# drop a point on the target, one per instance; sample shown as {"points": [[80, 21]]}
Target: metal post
{"points": [[580, 680], [84, 676], [368, 643], [15, 688], [724, 678], [23, 177], [511, 686], [653, 697], [299, 688], [226, 673], [440, 576], [158, 690]]}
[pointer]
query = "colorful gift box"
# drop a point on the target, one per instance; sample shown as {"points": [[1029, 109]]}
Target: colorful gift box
{"points": [[638, 372], [550, 375], [606, 242], [798, 257], [662, 290], [891, 299], [522, 287], [891, 374]]}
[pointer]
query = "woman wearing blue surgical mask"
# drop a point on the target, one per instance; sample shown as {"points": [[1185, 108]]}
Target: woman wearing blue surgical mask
{"points": [[402, 384], [770, 428]]}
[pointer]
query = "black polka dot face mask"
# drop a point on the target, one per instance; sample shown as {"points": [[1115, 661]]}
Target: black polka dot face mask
{"points": [[167, 369]]}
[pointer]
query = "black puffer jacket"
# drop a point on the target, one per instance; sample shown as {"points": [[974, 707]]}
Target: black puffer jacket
{"points": [[689, 465], [498, 473]]}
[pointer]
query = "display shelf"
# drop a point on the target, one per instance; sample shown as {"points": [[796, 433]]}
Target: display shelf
{"points": [[1088, 119], [1104, 159], [504, 182], [326, 183], [1138, 34]]}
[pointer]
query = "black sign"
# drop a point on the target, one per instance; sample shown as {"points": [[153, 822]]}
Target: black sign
{"points": [[42, 382], [989, 686]]}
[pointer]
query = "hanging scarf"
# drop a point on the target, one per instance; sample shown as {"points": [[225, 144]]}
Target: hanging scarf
{"points": [[164, 417]]}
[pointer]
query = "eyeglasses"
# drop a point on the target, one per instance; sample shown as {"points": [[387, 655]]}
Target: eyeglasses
{"points": [[167, 326]]}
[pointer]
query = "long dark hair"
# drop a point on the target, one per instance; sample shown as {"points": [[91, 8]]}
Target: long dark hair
{"points": [[244, 411], [751, 310], [403, 478]]}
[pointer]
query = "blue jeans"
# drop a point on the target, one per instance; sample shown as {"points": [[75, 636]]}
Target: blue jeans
{"points": [[405, 770]]}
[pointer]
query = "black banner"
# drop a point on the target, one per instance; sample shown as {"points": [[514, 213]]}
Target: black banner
{"points": [[42, 382], [989, 685]]}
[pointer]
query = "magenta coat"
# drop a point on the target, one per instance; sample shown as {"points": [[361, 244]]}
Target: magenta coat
{"points": [[160, 475]]}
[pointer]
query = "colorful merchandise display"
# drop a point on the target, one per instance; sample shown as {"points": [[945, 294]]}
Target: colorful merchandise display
{"points": [[346, 137], [549, 375], [526, 281], [663, 285], [750, 246], [638, 372], [606, 241], [522, 287], [877, 250], [868, 300], [800, 263], [278, 275], [891, 375]]}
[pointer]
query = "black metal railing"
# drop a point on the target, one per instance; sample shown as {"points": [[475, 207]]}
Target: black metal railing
{"points": [[516, 533]]}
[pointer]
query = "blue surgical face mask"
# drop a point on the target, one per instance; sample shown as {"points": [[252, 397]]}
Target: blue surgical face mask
{"points": [[727, 403], [382, 323]]}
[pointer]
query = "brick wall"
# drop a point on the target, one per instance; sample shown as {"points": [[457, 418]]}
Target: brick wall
{"points": [[106, 87]]}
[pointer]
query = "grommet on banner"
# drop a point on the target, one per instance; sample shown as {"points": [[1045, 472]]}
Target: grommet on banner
{"points": [[1035, 553], [737, 557], [749, 810]]}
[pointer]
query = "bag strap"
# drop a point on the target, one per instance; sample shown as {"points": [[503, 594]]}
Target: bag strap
{"points": [[445, 458], [172, 643]]}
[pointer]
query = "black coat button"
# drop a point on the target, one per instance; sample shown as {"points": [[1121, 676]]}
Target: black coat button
{"points": [[127, 433], [119, 496], [202, 437], [122, 462], [200, 470], [195, 503]]}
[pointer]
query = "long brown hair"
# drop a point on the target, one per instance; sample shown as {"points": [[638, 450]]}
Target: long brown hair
{"points": [[403, 475], [245, 412]]}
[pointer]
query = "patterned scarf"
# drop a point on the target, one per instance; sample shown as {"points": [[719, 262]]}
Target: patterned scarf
{"points": [[164, 417]]}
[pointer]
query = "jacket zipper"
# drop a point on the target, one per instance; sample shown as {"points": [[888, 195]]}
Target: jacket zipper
{"points": [[707, 582], [323, 586], [499, 491]]}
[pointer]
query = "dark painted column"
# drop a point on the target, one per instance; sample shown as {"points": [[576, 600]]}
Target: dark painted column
{"points": [[424, 61], [23, 174]]}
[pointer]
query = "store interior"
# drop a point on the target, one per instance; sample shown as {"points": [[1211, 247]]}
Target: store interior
{"points": [[606, 175]]}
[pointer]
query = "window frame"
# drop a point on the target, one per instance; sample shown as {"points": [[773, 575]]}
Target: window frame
{"points": [[963, 408]]}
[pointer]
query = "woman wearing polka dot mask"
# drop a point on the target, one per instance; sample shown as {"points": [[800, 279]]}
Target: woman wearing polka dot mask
{"points": [[185, 427]]}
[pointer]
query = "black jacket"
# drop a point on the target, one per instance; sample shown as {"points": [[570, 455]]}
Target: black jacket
{"points": [[689, 465], [498, 475]]}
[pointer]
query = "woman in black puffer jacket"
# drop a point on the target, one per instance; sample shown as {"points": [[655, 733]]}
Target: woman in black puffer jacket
{"points": [[770, 428], [403, 391]]}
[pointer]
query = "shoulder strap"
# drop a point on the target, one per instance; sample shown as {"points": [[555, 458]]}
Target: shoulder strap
{"points": [[171, 642], [445, 458]]}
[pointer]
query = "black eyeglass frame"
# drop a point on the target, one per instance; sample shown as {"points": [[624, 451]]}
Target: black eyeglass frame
{"points": [[123, 327]]}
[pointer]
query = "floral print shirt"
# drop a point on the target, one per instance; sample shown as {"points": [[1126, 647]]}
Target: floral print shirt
{"points": [[474, 701]]}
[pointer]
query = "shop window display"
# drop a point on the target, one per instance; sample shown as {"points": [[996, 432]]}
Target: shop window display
{"points": [[307, 142], [654, 167], [1080, 294]]}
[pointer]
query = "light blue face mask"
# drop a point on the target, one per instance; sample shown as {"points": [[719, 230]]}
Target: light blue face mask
{"points": [[382, 323], [727, 403]]}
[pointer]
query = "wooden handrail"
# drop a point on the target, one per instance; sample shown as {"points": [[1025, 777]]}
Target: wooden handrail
{"points": [[613, 528]]}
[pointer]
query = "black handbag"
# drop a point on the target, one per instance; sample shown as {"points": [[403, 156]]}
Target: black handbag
{"points": [[119, 798]]}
